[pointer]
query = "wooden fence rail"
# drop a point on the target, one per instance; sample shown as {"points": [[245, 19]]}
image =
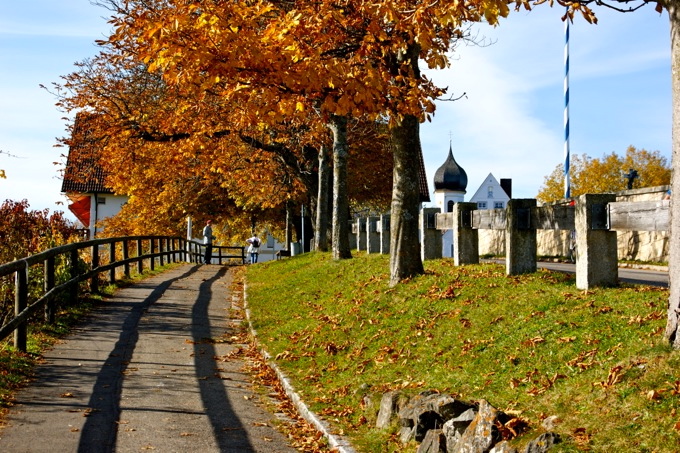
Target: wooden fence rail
{"points": [[593, 220], [84, 262], [196, 251]]}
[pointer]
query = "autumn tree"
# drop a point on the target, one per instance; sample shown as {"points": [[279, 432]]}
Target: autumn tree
{"points": [[138, 130], [25, 232], [343, 60], [169, 43], [607, 174], [216, 172]]}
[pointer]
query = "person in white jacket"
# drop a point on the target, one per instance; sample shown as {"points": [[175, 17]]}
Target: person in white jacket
{"points": [[208, 241], [253, 248]]}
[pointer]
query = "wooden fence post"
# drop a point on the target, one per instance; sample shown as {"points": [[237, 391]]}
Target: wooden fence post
{"points": [[161, 248], [152, 250], [126, 256], [520, 237], [431, 246], [20, 303], [140, 262], [48, 285], [596, 247], [112, 259], [74, 273], [384, 228], [172, 245], [465, 238], [94, 280], [361, 233], [372, 235]]}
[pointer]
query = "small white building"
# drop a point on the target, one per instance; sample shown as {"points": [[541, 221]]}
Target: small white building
{"points": [[84, 180], [491, 194]]}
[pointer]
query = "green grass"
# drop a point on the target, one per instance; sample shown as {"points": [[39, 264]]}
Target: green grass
{"points": [[532, 345]]}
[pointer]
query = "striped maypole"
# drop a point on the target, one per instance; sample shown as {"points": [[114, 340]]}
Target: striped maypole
{"points": [[567, 186]]}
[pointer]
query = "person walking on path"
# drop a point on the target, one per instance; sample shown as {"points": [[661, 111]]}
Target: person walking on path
{"points": [[208, 241], [254, 248], [155, 368]]}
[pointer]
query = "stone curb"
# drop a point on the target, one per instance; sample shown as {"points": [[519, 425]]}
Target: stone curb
{"points": [[338, 443]]}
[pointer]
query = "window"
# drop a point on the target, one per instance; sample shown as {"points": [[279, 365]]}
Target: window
{"points": [[101, 200], [498, 205], [489, 192], [481, 205], [449, 206]]}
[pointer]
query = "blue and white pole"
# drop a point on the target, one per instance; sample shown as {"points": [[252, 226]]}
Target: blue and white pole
{"points": [[567, 185]]}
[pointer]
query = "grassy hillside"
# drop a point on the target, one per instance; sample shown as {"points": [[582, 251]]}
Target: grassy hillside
{"points": [[534, 346]]}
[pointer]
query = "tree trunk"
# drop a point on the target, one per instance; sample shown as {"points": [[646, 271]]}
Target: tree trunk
{"points": [[405, 258], [673, 324], [338, 126], [321, 236]]}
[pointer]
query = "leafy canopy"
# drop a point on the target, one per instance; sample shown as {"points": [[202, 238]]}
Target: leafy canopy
{"points": [[606, 174]]}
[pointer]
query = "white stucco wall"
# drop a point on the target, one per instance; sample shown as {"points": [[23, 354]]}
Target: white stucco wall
{"points": [[103, 206]]}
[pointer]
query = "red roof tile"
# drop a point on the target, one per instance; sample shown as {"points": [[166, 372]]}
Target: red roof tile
{"points": [[83, 174]]}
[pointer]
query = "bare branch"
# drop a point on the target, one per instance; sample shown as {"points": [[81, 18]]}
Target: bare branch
{"points": [[452, 98]]}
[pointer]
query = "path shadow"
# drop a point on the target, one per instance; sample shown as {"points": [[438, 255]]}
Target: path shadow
{"points": [[228, 430], [100, 431]]}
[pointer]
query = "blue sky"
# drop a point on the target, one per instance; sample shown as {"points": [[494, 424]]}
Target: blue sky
{"points": [[510, 123]]}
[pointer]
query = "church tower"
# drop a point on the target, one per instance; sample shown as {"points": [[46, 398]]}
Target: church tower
{"points": [[450, 182]]}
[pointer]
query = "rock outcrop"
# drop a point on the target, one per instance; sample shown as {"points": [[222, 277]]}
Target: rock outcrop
{"points": [[444, 424]]}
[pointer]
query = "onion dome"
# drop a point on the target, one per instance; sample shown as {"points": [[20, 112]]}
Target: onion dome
{"points": [[450, 176]]}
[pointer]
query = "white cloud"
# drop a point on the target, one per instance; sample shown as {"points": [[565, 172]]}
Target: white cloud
{"points": [[511, 122]]}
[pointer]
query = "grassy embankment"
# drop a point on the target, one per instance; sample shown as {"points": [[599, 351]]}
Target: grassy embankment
{"points": [[534, 346]]}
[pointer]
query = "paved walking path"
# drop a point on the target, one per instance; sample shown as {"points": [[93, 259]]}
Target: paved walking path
{"points": [[142, 375]]}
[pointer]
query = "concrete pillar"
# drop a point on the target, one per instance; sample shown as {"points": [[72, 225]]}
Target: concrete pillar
{"points": [[431, 246], [384, 230], [520, 237], [465, 238], [361, 233], [372, 235], [353, 227], [596, 247]]}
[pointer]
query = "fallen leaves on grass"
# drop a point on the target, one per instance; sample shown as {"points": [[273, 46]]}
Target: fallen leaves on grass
{"points": [[584, 360], [675, 387], [532, 342], [581, 437], [512, 428], [613, 378], [286, 355], [436, 293]]}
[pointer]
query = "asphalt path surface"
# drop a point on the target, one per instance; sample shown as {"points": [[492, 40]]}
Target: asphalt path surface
{"points": [[653, 277], [151, 370]]}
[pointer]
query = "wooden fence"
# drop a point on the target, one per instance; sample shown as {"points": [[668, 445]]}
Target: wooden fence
{"points": [[594, 219], [85, 261]]}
